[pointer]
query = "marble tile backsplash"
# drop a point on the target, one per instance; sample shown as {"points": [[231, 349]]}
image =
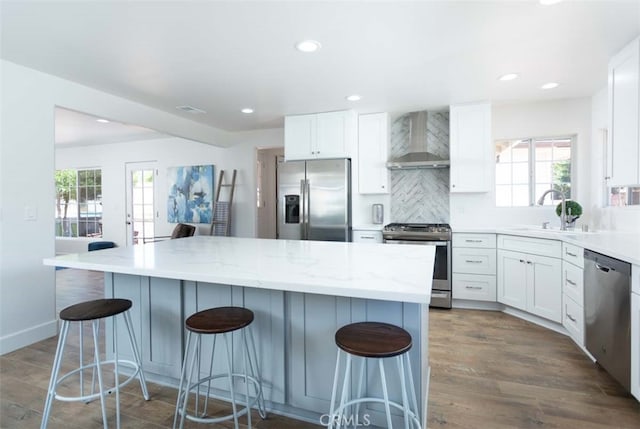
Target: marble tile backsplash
{"points": [[420, 196]]}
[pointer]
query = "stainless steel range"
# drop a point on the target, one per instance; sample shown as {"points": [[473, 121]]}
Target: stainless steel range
{"points": [[435, 234]]}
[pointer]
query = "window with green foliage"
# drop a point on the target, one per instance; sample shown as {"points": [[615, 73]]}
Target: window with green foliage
{"points": [[525, 168], [78, 203]]}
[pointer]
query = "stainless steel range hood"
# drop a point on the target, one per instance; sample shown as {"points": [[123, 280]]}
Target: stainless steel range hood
{"points": [[418, 156]]}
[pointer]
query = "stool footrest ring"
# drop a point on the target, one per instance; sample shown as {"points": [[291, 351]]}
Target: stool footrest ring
{"points": [[242, 412]]}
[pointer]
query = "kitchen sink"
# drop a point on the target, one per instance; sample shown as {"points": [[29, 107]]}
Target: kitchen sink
{"points": [[538, 229]]}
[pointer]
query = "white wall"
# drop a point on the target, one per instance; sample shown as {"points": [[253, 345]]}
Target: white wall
{"points": [[29, 97], [171, 152], [551, 118]]}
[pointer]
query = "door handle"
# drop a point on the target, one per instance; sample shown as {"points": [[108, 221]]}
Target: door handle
{"points": [[128, 222], [303, 210]]}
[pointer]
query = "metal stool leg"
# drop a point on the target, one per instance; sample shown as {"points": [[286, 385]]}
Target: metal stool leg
{"points": [[206, 399], [246, 377], [196, 352], [413, 391], [345, 388], [57, 361], [230, 373], [360, 385], [99, 370], [403, 386], [183, 376], [385, 394], [115, 369], [332, 408], [136, 354], [262, 410]]}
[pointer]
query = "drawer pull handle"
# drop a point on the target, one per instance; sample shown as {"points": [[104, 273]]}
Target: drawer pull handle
{"points": [[473, 241], [471, 261], [522, 261], [473, 287], [368, 237], [570, 254], [572, 283], [573, 319], [529, 262]]}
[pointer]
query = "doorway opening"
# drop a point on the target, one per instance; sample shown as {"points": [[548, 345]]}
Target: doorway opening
{"points": [[266, 195]]}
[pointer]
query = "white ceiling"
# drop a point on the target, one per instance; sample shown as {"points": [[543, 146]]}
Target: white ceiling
{"points": [[400, 56], [79, 129]]}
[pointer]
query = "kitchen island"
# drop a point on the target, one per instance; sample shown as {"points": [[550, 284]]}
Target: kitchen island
{"points": [[300, 291]]}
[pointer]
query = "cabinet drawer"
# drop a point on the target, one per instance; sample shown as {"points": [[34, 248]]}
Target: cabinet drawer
{"points": [[535, 246], [473, 261], [573, 254], [474, 286], [474, 240], [364, 236], [573, 282], [573, 319]]}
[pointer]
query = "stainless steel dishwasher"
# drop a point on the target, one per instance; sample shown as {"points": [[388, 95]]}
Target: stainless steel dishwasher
{"points": [[607, 314]]}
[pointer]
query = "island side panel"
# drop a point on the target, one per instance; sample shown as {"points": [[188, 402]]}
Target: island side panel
{"points": [[311, 350]]}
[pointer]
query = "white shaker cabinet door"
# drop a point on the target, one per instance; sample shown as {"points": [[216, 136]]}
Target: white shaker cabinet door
{"points": [[512, 279], [373, 142], [624, 116], [471, 148], [299, 137]]}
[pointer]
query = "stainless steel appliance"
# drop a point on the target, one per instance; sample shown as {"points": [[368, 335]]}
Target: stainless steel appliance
{"points": [[438, 235], [314, 200], [607, 314]]}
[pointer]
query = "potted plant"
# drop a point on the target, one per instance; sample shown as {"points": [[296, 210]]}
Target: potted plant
{"points": [[573, 212]]}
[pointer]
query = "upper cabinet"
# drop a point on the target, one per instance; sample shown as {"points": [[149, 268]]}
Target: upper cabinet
{"points": [[471, 149], [624, 116], [373, 147], [319, 135]]}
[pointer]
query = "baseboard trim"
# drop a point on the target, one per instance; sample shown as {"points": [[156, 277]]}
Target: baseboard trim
{"points": [[477, 305], [20, 339]]}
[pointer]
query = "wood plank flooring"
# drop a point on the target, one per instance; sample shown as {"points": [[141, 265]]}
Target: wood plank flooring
{"points": [[489, 370]]}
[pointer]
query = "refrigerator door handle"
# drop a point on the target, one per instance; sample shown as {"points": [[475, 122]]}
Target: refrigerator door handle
{"points": [[308, 208], [303, 209]]}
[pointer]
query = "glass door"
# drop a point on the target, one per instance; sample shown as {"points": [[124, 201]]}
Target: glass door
{"points": [[141, 212]]}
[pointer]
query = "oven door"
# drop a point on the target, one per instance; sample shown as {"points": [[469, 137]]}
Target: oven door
{"points": [[441, 289]]}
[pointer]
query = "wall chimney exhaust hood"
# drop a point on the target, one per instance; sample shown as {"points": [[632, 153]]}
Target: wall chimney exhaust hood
{"points": [[418, 157]]}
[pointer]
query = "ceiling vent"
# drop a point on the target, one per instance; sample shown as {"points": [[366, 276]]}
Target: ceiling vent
{"points": [[191, 109]]}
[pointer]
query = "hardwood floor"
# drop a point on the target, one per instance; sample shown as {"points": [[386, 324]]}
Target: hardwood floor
{"points": [[489, 370]]}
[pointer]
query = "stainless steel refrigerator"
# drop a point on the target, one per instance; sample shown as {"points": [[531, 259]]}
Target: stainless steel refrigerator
{"points": [[314, 200]]}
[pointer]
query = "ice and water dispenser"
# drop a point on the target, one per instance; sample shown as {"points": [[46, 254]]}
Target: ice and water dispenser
{"points": [[292, 209]]}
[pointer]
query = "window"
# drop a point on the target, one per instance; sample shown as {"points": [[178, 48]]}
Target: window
{"points": [[525, 168], [78, 204], [624, 196]]}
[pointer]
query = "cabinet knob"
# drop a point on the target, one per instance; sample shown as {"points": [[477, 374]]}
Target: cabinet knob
{"points": [[453, 186]]}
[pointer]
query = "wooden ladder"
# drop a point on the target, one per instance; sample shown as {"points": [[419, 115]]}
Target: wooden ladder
{"points": [[221, 216]]}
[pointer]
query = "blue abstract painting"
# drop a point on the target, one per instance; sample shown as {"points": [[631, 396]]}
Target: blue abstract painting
{"points": [[190, 194]]}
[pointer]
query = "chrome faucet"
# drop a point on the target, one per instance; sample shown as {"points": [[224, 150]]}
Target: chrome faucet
{"points": [[563, 207]]}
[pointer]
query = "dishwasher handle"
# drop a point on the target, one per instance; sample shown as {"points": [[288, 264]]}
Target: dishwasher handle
{"points": [[603, 268]]}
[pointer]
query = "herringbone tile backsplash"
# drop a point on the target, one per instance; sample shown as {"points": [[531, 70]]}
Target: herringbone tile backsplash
{"points": [[420, 196]]}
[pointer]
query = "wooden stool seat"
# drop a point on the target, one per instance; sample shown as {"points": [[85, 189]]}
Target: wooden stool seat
{"points": [[97, 309], [219, 320], [373, 339]]}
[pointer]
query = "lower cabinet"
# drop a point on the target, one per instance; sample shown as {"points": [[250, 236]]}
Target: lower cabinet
{"points": [[367, 236], [573, 319], [531, 283], [475, 287]]}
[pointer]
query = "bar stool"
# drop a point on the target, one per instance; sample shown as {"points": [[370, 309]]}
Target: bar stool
{"points": [[374, 340], [94, 311], [216, 321]]}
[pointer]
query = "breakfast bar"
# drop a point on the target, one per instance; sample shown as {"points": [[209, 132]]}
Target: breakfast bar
{"points": [[301, 292]]}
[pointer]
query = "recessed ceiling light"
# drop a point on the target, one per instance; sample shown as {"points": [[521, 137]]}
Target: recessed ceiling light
{"points": [[102, 121], [549, 2], [308, 46], [247, 110], [508, 76], [549, 85], [354, 97]]}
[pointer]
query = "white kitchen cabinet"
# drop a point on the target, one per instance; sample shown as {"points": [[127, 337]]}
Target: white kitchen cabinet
{"points": [[530, 281], [319, 135], [471, 149], [366, 236], [373, 148], [624, 116], [473, 259], [573, 291], [635, 331]]}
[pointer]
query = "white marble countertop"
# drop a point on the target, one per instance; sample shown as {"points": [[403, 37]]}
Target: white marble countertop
{"points": [[617, 244], [359, 270]]}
